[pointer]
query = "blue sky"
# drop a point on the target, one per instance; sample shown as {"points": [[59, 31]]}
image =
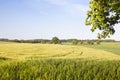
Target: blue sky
{"points": [[34, 19]]}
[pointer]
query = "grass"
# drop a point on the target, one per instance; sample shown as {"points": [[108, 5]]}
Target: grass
{"points": [[113, 47], [61, 69], [22, 61]]}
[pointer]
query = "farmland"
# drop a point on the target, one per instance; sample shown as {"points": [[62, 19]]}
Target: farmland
{"points": [[23, 61], [113, 47]]}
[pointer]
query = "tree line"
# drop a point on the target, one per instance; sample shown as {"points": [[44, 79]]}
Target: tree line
{"points": [[56, 40]]}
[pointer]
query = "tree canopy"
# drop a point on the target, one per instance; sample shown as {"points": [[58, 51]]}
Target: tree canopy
{"points": [[103, 15], [74, 41], [55, 40]]}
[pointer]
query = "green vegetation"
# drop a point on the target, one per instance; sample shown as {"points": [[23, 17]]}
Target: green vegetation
{"points": [[23, 61], [103, 16], [98, 42], [113, 47], [55, 40], [61, 69], [90, 42], [74, 41]]}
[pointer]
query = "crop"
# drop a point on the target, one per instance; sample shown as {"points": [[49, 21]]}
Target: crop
{"points": [[61, 69], [57, 62]]}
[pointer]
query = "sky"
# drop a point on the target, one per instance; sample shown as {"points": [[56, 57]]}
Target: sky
{"points": [[44, 19]]}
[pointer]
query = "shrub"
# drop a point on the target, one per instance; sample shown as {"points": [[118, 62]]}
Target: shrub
{"points": [[98, 42], [90, 42]]}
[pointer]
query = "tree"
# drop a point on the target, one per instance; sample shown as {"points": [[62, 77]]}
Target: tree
{"points": [[42, 41], [74, 41], [55, 40], [90, 42], [103, 15]]}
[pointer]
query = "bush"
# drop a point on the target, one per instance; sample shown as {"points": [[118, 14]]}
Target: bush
{"points": [[98, 42], [81, 42], [90, 42]]}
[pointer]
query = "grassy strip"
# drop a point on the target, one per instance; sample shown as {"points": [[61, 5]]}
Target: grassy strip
{"points": [[113, 47]]}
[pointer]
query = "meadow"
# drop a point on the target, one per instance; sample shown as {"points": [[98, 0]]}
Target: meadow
{"points": [[23, 61], [113, 47]]}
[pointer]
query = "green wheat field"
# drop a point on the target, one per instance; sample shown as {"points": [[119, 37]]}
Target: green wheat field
{"points": [[27, 61]]}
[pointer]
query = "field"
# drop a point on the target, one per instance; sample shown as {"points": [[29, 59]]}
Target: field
{"points": [[113, 47], [22, 61]]}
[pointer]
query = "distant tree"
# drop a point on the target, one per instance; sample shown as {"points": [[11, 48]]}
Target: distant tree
{"points": [[16, 40], [35, 41], [90, 42], [98, 42], [42, 41], [3, 39], [81, 42], [55, 40], [74, 41]]}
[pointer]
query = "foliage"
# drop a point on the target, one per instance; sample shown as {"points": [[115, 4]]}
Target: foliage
{"points": [[90, 42], [55, 40], [98, 42], [43, 41], [103, 15], [60, 69], [74, 41], [81, 42]]}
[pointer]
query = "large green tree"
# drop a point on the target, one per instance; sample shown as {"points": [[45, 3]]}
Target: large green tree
{"points": [[103, 15], [55, 40]]}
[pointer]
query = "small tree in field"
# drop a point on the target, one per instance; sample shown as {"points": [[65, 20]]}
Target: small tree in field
{"points": [[55, 40]]}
